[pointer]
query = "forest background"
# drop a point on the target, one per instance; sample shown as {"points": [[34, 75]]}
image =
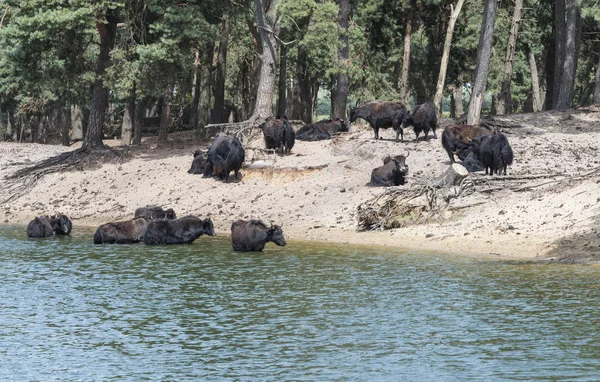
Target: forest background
{"points": [[89, 70]]}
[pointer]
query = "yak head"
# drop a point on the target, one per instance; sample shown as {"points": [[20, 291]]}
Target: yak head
{"points": [[275, 234], [207, 227], [199, 162], [475, 144], [170, 214], [408, 119], [62, 225], [354, 112], [399, 162]]}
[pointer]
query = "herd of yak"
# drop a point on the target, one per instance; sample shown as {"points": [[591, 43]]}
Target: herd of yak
{"points": [[153, 226], [477, 147]]}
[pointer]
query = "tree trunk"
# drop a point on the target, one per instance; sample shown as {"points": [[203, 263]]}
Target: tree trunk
{"points": [[76, 122], [559, 48], [281, 96], [268, 27], [303, 96], [484, 51], [452, 177], [165, 111], [548, 101], [93, 134], [458, 101], [127, 125], [569, 68], [340, 99], [439, 90], [195, 93], [505, 100], [138, 120], [63, 117], [406, 57], [597, 83], [219, 90], [1, 128], [11, 128], [535, 85]]}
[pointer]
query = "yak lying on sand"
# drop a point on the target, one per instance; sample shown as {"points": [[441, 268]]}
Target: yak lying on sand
{"points": [[494, 152], [181, 231], [279, 135], [46, 226], [423, 118], [322, 130], [226, 154], [456, 139], [252, 235], [379, 114], [123, 232], [154, 213], [198, 164], [392, 173]]}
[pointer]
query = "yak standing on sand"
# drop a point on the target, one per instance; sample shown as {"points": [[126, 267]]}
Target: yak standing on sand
{"points": [[252, 235], [422, 118], [279, 135], [494, 152], [181, 231], [379, 114], [226, 154]]}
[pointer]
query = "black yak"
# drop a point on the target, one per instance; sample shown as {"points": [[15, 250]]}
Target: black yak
{"points": [[392, 173], [122, 232], [279, 135], [456, 138], [423, 118], [252, 235], [199, 163], [226, 154], [324, 129], [40, 226], [181, 231], [493, 151], [62, 224], [379, 114], [154, 213]]}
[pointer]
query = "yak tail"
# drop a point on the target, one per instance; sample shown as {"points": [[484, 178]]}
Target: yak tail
{"points": [[98, 236], [507, 154]]}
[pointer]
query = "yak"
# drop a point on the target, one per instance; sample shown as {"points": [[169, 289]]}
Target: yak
{"points": [[422, 118], [397, 121], [322, 130], [379, 114], [456, 138], [226, 154], [199, 163], [181, 231], [46, 226], [493, 151], [392, 173], [279, 135], [154, 213], [40, 226], [252, 235], [122, 232]]}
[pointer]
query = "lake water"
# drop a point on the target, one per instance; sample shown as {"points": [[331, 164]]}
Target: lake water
{"points": [[74, 311]]}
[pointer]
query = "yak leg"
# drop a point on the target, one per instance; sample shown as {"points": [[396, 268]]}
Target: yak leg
{"points": [[376, 130], [433, 130], [426, 130], [401, 134]]}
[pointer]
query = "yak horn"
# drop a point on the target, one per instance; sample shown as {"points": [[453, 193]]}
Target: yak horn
{"points": [[407, 153]]}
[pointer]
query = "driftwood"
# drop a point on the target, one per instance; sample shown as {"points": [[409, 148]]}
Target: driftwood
{"points": [[424, 200]]}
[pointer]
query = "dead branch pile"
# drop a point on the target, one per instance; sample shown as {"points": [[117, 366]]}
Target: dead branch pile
{"points": [[424, 200]]}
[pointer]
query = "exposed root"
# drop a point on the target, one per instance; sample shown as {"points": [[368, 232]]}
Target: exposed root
{"points": [[23, 180]]}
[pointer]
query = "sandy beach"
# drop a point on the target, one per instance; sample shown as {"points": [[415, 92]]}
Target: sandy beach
{"points": [[315, 191]]}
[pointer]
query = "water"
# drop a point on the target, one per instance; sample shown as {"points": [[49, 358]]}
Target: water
{"points": [[73, 311]]}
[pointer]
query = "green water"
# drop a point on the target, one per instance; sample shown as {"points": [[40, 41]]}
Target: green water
{"points": [[73, 311]]}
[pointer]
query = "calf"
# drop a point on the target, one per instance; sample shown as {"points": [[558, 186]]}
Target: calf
{"points": [[154, 213], [41, 226], [123, 232], [181, 231], [422, 118], [279, 135], [493, 151], [379, 114], [392, 173], [456, 138], [252, 235], [226, 154], [198, 164]]}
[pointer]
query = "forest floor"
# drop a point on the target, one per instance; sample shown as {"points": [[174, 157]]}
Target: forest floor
{"points": [[315, 191]]}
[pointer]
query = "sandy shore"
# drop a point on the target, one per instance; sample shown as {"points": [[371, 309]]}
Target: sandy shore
{"points": [[315, 192]]}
